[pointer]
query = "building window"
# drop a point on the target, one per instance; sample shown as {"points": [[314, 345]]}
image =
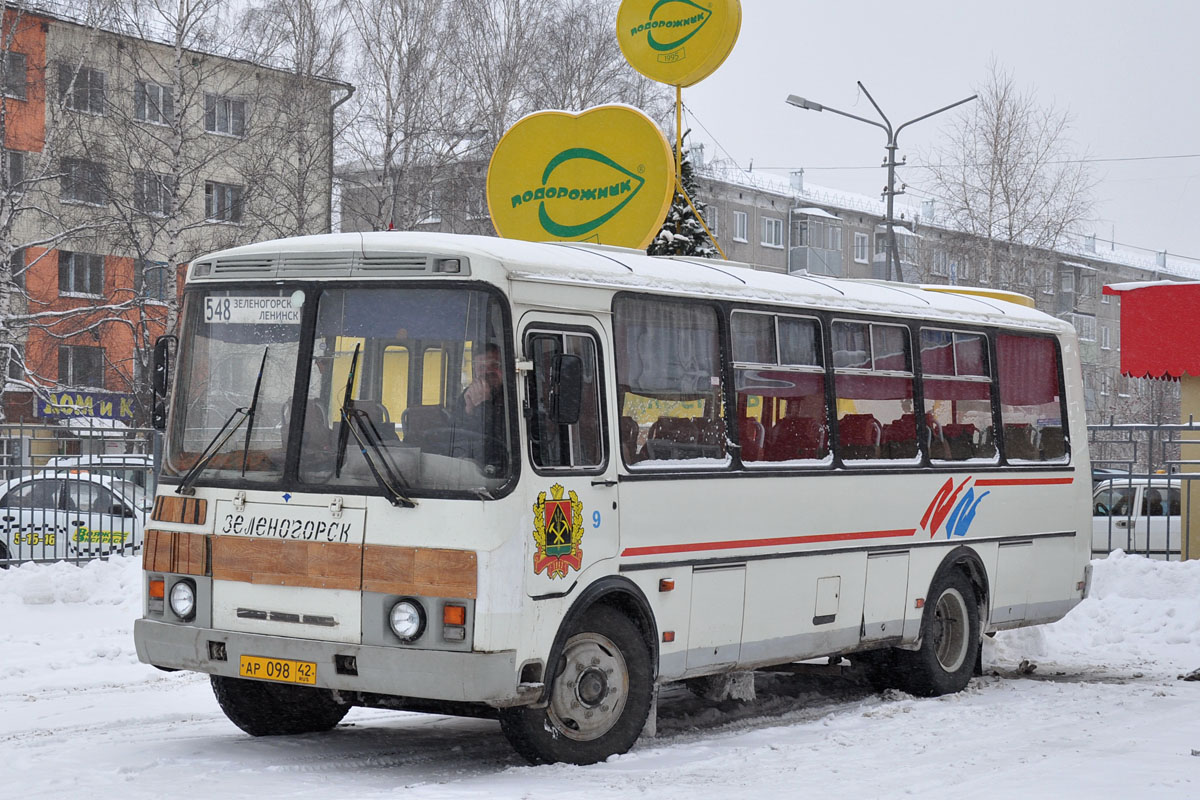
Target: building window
{"points": [[712, 218], [1087, 285], [81, 367], [1105, 337], [940, 265], [772, 232], [152, 103], [224, 115], [14, 169], [82, 181], [152, 192], [740, 226], [80, 274], [862, 248], [1085, 326], [1068, 282], [82, 89], [19, 268], [150, 279], [1047, 281], [222, 202], [1106, 298], [12, 71]]}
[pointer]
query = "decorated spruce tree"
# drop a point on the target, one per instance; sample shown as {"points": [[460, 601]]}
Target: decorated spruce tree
{"points": [[682, 234]]}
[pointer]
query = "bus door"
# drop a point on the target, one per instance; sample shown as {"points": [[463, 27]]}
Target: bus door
{"points": [[573, 491]]}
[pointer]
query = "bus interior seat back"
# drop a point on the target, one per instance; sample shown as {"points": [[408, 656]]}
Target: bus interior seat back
{"points": [[859, 436], [418, 421], [1020, 441], [960, 440], [1053, 442], [752, 436], [797, 437], [899, 437]]}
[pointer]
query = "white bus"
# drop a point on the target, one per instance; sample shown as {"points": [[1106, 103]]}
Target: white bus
{"points": [[538, 481]]}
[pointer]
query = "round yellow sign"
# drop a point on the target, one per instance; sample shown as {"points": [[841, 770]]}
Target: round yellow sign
{"points": [[606, 175], [679, 42]]}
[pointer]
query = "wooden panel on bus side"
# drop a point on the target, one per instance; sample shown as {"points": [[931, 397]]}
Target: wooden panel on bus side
{"points": [[715, 630]]}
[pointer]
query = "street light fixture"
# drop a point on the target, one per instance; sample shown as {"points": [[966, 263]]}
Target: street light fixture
{"points": [[890, 190]]}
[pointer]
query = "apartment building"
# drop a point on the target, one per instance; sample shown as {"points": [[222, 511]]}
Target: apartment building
{"points": [[124, 158]]}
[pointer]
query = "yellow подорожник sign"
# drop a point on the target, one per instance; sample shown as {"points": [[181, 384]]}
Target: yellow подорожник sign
{"points": [[678, 42], [606, 175]]}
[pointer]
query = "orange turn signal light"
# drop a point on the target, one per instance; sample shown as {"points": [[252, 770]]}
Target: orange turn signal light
{"points": [[158, 589], [454, 615], [666, 585], [668, 636]]}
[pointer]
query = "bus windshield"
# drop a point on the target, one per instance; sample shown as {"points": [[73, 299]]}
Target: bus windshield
{"points": [[228, 335], [406, 388]]}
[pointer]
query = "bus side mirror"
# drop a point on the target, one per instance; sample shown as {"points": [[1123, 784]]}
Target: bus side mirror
{"points": [[160, 380], [566, 389]]}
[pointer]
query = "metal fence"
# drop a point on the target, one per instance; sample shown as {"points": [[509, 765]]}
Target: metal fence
{"points": [[1142, 494], [74, 492]]}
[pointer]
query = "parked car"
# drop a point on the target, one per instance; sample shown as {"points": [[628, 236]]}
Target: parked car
{"points": [[1137, 515], [52, 516], [132, 467]]}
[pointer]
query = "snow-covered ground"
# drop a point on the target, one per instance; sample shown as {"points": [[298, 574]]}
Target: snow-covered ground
{"points": [[1103, 715]]}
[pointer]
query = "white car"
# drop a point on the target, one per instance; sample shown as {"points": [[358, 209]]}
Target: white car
{"points": [[70, 515], [1138, 516]]}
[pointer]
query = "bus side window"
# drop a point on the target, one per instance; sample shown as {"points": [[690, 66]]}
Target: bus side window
{"points": [[554, 445], [1030, 398]]}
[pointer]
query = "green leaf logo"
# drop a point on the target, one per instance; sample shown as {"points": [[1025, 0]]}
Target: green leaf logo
{"points": [[624, 187], [673, 26]]}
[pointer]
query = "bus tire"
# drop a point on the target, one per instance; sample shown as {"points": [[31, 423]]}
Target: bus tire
{"points": [[599, 695], [273, 709], [4, 556], [945, 661]]}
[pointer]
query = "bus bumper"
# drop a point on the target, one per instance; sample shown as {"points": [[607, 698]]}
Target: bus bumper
{"points": [[489, 678]]}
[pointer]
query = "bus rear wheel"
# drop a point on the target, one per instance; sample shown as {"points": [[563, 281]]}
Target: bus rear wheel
{"points": [[599, 696], [945, 661], [271, 709]]}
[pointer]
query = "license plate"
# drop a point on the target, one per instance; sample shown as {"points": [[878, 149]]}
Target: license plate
{"points": [[279, 669]]}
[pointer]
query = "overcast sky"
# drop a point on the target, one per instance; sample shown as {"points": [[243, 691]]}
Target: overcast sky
{"points": [[1128, 74]]}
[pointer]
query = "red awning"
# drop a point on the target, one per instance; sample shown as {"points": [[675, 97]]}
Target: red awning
{"points": [[1160, 328]]}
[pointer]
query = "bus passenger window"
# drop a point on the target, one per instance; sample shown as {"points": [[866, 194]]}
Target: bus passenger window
{"points": [[669, 375], [873, 381], [780, 379], [557, 445], [958, 395], [1030, 399]]}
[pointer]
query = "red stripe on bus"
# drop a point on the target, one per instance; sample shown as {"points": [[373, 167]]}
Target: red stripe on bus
{"points": [[1023, 481], [780, 542]]}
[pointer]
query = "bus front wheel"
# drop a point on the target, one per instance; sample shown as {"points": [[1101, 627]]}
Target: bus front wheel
{"points": [[945, 661], [269, 709], [600, 695]]}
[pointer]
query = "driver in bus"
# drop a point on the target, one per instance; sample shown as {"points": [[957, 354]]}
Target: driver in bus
{"points": [[481, 407]]}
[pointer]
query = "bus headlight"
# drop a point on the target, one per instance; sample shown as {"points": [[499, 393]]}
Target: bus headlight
{"points": [[407, 620], [183, 600]]}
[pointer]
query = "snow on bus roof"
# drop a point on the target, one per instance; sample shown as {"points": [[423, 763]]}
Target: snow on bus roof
{"points": [[602, 266]]}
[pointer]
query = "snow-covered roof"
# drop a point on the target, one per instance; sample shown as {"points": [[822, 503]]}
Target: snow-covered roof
{"points": [[815, 212], [1078, 247]]}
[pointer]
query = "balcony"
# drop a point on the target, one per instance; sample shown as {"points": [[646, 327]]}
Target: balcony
{"points": [[817, 260]]}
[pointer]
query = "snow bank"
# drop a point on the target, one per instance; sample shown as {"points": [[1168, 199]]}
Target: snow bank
{"points": [[1140, 614]]}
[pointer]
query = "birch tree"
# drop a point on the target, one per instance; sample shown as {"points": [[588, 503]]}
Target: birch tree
{"points": [[1007, 174]]}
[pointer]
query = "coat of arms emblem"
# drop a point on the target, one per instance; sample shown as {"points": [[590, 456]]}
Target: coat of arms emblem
{"points": [[557, 531]]}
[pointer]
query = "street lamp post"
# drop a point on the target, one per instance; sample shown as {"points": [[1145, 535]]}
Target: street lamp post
{"points": [[889, 191]]}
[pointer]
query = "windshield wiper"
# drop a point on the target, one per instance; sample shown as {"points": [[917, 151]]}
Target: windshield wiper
{"points": [[367, 435], [228, 429]]}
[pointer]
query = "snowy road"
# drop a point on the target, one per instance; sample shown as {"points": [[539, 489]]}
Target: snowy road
{"points": [[1102, 716]]}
